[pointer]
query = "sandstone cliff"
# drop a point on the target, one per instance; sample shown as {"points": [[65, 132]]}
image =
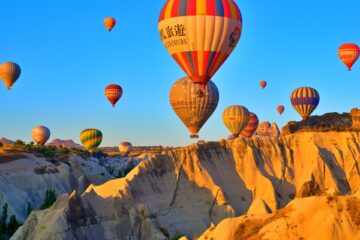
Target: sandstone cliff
{"points": [[184, 191]]}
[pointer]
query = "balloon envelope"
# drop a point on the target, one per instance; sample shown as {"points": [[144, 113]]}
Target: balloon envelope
{"points": [[305, 100], [9, 72], [263, 84], [251, 127], [349, 54], [192, 104], [91, 139], [236, 118], [40, 135], [200, 34], [125, 148], [113, 93], [109, 23], [280, 109]]}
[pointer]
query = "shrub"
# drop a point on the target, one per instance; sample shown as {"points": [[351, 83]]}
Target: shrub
{"points": [[19, 144], [50, 199], [1, 144], [7, 229], [29, 209]]}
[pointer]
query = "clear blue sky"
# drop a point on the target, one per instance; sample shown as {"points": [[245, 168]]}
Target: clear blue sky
{"points": [[68, 57]]}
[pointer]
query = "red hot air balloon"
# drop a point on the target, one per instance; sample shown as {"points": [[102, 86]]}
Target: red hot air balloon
{"points": [[113, 93], [251, 127], [263, 84], [349, 54], [281, 109]]}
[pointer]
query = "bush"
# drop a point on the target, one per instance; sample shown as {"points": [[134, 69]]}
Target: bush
{"points": [[29, 209], [7, 229], [1, 144], [19, 144], [50, 199]]}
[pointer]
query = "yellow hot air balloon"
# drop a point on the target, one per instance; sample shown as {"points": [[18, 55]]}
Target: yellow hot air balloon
{"points": [[91, 139], [236, 118], [200, 34], [192, 104], [9, 72]]}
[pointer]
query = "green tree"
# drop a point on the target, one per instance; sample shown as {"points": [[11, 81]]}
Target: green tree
{"points": [[29, 209], [19, 144], [50, 199], [13, 225], [3, 219], [1, 144]]}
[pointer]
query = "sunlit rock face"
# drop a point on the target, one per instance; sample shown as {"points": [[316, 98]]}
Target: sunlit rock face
{"points": [[355, 116], [328, 217], [184, 191]]}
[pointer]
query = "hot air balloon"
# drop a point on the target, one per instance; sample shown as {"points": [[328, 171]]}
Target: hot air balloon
{"points": [[236, 118], [40, 135], [305, 100], [9, 72], [109, 23], [125, 149], [349, 53], [280, 109], [192, 104], [251, 127], [200, 34], [263, 84], [91, 139], [113, 93]]}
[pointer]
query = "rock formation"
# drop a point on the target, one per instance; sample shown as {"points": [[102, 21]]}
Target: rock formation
{"points": [[265, 129], [185, 191], [325, 123], [64, 143]]}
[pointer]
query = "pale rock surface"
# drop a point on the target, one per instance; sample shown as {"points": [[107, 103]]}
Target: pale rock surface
{"points": [[312, 218], [184, 191]]}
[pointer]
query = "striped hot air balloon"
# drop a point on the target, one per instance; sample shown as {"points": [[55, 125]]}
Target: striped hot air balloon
{"points": [[200, 34], [40, 135], [113, 93], [192, 104], [236, 118], [305, 100], [91, 139], [125, 148], [9, 72], [109, 23], [349, 54], [251, 127]]}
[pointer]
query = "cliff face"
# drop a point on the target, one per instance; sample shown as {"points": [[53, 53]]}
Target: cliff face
{"points": [[181, 192]]}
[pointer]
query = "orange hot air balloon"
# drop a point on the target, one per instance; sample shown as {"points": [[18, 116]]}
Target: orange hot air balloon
{"points": [[263, 84], [349, 54], [109, 23], [40, 134], [200, 34], [113, 93], [281, 109], [9, 72]]}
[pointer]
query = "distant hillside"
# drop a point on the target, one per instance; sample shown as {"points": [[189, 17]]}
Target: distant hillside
{"points": [[65, 143], [6, 141]]}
